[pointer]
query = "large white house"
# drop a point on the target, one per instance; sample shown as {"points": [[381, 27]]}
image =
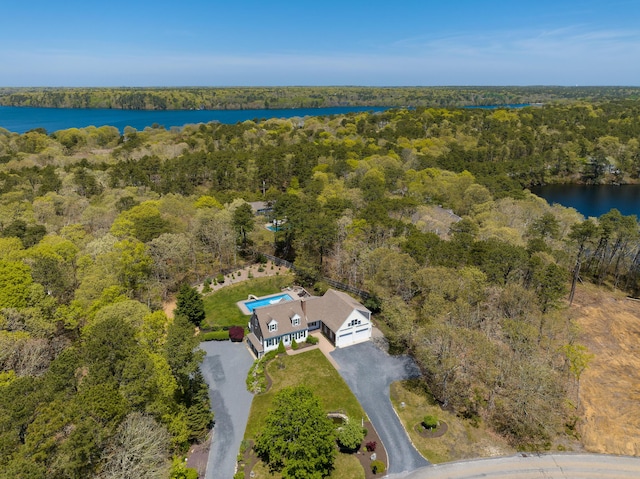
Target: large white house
{"points": [[342, 319]]}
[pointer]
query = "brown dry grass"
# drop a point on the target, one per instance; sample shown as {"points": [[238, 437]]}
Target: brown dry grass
{"points": [[610, 386]]}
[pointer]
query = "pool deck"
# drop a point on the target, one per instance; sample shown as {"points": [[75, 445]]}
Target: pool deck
{"points": [[295, 293]]}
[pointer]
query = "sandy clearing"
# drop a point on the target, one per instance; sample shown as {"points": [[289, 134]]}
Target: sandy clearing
{"points": [[610, 386]]}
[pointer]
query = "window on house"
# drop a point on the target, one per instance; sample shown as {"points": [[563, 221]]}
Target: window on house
{"points": [[354, 322], [273, 327]]}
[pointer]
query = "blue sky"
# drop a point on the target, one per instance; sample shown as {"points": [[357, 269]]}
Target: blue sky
{"points": [[329, 42]]}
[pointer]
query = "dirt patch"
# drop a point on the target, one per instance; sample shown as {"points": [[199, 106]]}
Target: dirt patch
{"points": [[168, 308], [198, 456], [610, 386]]}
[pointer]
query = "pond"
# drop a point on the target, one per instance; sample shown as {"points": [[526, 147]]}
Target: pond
{"points": [[593, 200]]}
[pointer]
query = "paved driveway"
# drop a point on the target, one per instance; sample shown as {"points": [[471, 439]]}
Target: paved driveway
{"points": [[369, 371], [225, 369]]}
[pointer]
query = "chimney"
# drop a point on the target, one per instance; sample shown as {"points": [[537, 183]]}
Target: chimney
{"points": [[303, 305]]}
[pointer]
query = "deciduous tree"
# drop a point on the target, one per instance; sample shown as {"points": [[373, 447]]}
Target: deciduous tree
{"points": [[298, 438]]}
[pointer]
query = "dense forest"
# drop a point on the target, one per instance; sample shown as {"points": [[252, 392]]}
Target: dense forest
{"points": [[427, 209], [239, 98]]}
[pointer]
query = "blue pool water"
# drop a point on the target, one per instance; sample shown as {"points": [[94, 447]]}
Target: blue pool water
{"points": [[258, 303]]}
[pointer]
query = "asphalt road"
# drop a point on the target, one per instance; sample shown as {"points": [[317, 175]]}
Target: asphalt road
{"points": [[528, 466], [369, 371], [225, 369]]}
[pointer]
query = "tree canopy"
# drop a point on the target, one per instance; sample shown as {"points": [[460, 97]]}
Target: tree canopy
{"points": [[298, 439]]}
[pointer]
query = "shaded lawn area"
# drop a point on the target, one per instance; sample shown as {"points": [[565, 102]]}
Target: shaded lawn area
{"points": [[221, 309], [312, 370], [462, 440], [346, 466]]}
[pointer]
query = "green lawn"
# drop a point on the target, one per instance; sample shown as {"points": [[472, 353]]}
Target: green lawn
{"points": [[313, 370], [221, 309]]}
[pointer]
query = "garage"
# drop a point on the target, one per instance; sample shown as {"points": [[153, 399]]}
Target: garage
{"points": [[353, 336]]}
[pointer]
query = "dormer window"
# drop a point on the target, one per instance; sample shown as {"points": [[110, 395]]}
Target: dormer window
{"points": [[273, 326], [295, 320]]}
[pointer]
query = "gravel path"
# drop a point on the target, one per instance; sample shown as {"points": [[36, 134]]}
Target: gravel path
{"points": [[369, 371], [225, 369]]}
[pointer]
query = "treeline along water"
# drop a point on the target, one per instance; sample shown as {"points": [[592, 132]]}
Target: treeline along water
{"points": [[22, 119], [593, 200]]}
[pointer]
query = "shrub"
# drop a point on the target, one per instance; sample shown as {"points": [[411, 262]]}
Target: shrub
{"points": [[350, 435], [236, 333], [294, 345], [250, 275], [215, 336], [377, 466], [430, 422], [371, 446], [312, 339], [206, 288], [260, 269], [220, 278], [281, 348]]}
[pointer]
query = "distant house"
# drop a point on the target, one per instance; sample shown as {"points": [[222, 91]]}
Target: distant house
{"points": [[261, 208], [342, 319]]}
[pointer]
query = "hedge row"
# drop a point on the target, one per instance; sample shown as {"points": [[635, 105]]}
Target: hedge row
{"points": [[220, 328], [215, 336]]}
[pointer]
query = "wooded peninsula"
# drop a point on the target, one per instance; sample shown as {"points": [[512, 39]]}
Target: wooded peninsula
{"points": [[427, 209], [246, 98]]}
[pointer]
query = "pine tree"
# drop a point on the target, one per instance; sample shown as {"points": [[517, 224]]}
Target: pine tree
{"points": [[190, 305]]}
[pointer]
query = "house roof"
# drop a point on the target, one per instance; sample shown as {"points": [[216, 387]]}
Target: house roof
{"points": [[257, 206], [333, 308], [282, 314], [255, 342]]}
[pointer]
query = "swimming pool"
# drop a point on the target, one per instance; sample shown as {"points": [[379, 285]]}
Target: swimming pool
{"points": [[258, 303]]}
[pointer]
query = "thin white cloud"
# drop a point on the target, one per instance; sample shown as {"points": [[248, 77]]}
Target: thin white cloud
{"points": [[568, 55]]}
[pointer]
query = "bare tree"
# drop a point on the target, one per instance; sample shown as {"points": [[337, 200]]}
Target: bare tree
{"points": [[139, 450]]}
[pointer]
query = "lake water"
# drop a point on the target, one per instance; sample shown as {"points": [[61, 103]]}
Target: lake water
{"points": [[593, 200], [21, 119]]}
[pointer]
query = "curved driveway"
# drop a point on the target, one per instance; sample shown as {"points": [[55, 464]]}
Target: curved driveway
{"points": [[369, 371], [532, 466], [225, 369]]}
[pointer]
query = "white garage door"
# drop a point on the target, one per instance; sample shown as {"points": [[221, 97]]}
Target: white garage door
{"points": [[345, 339], [362, 335], [353, 337]]}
